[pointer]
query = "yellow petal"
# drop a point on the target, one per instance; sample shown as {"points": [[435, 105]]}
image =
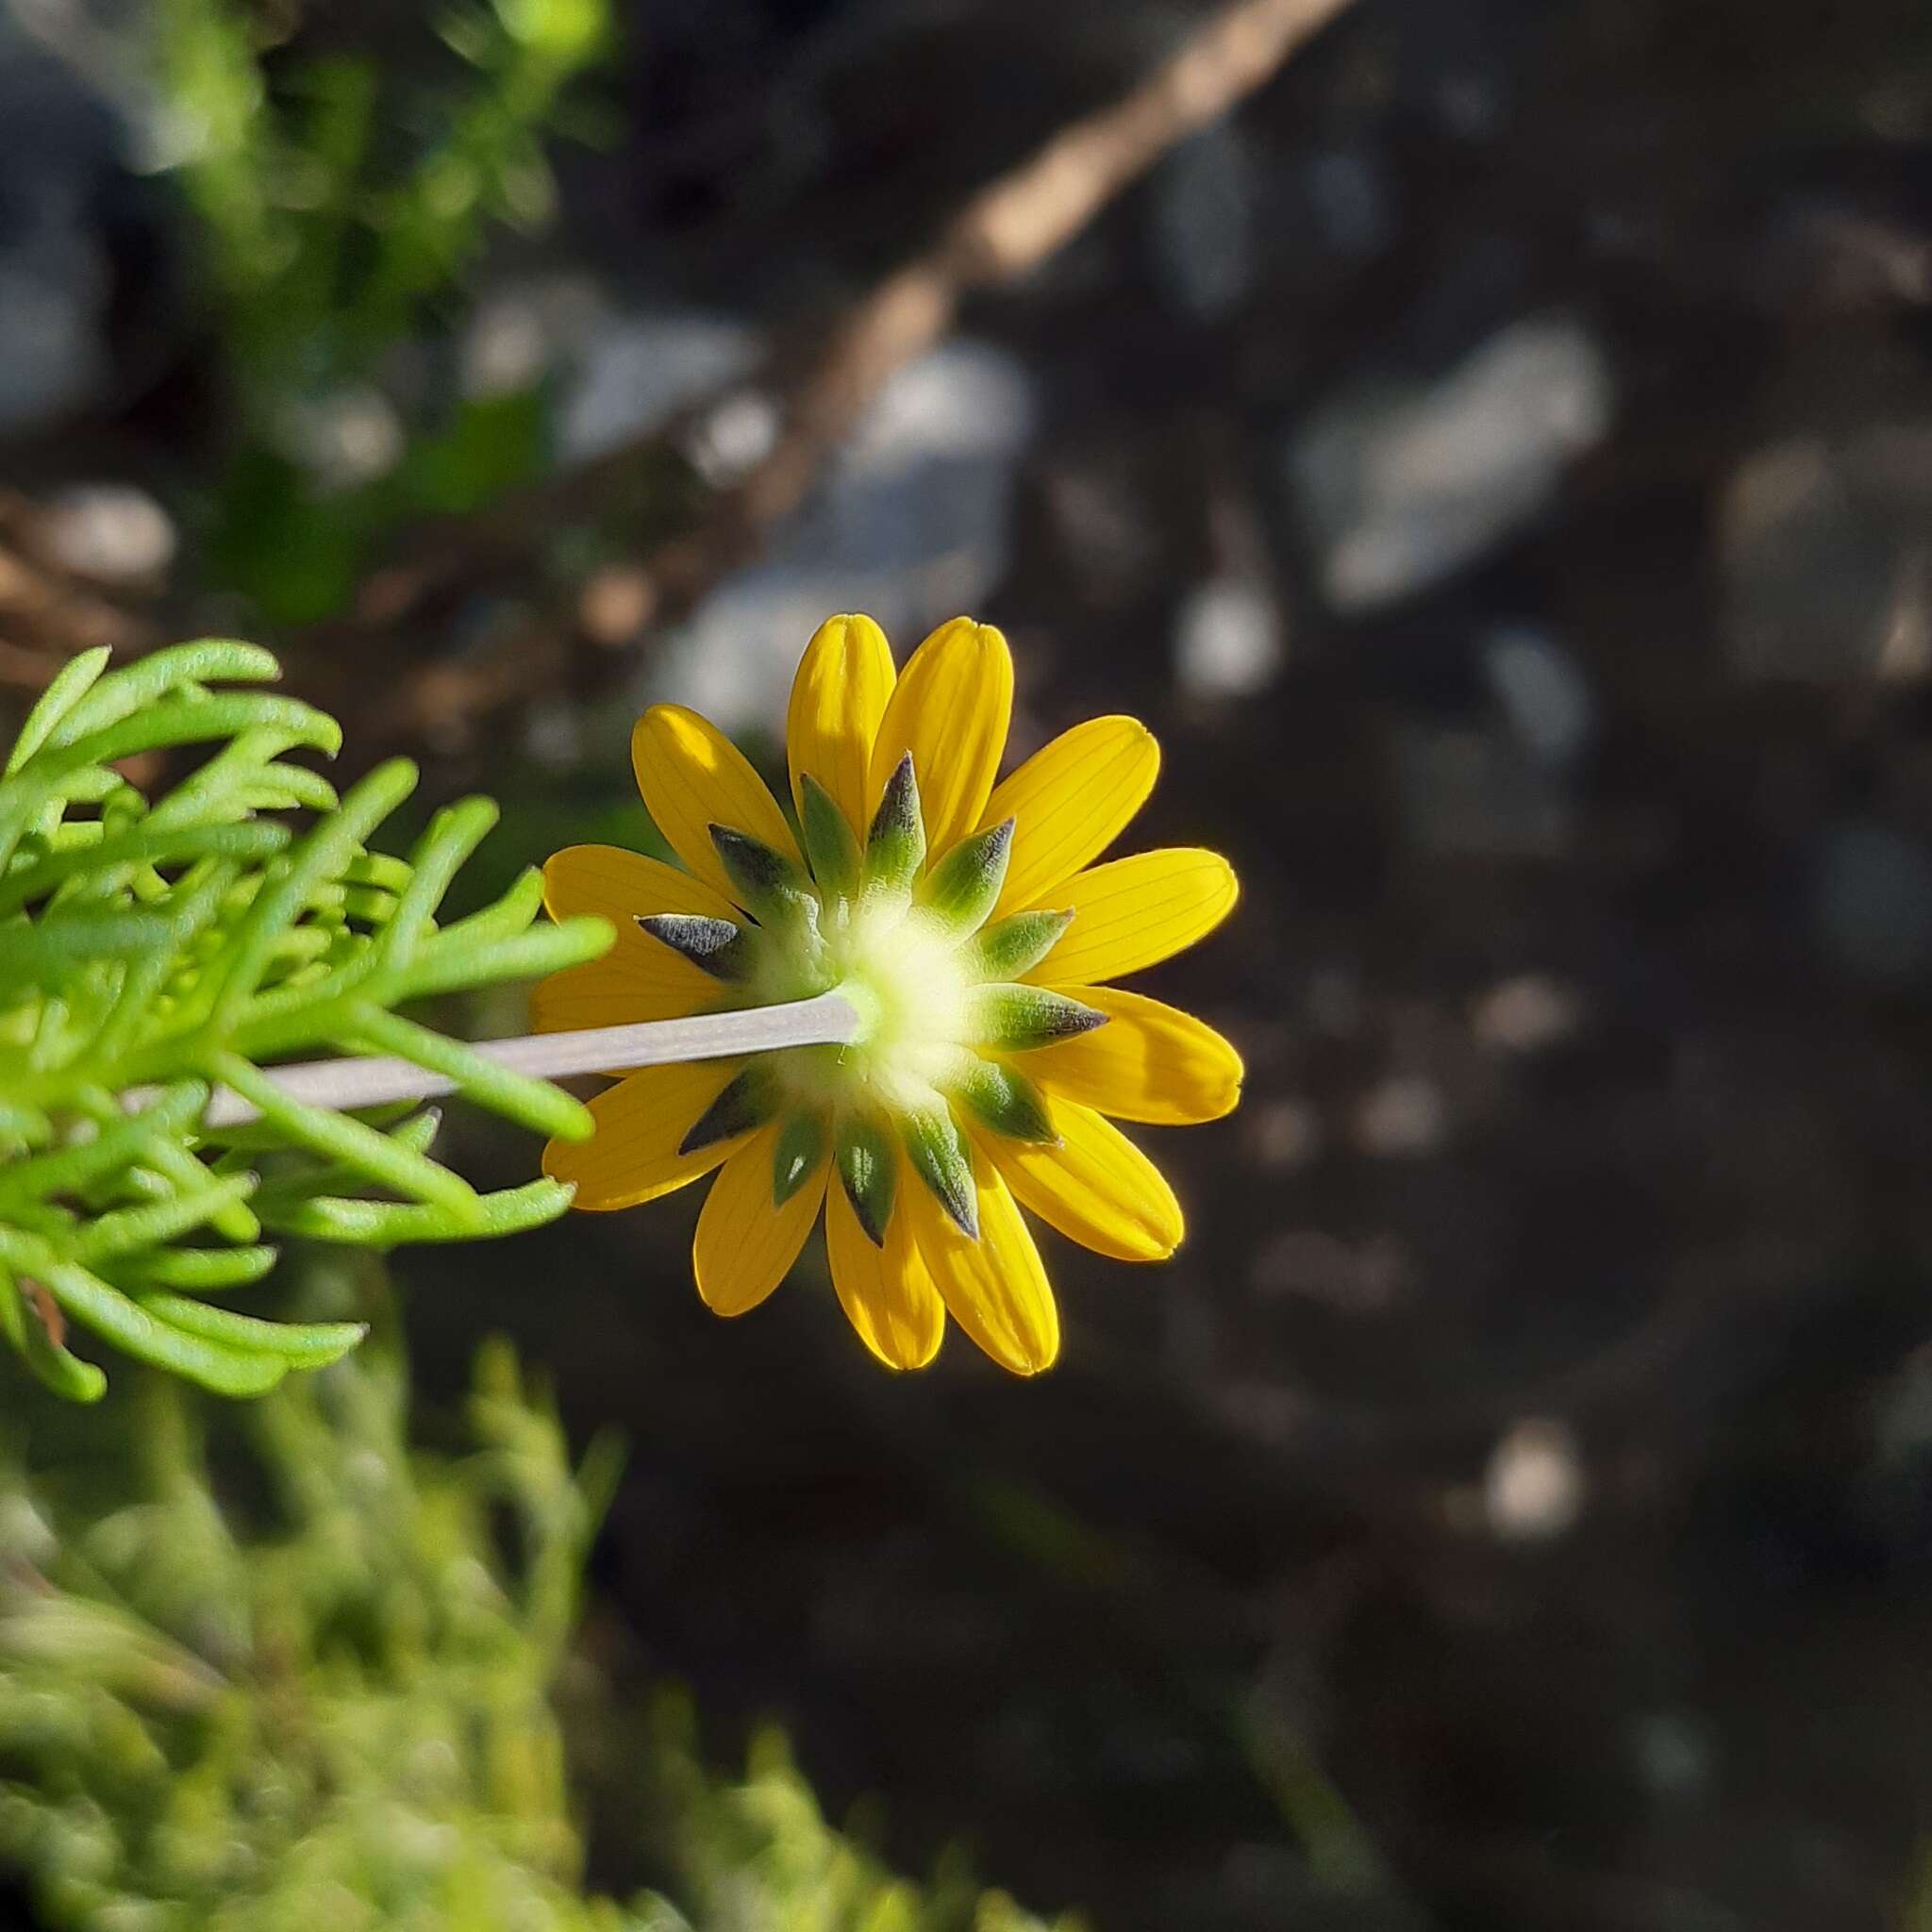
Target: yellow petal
{"points": [[618, 885], [1150, 1062], [619, 989], [745, 1246], [693, 777], [950, 709], [639, 977], [837, 699], [1133, 912], [633, 1154], [1069, 802], [1096, 1186], [886, 1294], [995, 1287]]}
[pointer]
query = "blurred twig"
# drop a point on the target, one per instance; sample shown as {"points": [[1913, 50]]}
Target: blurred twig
{"points": [[576, 635]]}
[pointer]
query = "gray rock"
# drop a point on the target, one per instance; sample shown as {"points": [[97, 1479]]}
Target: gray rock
{"points": [[1825, 547], [62, 138], [112, 532], [1534, 1487], [1350, 193], [53, 299], [1525, 1014], [1403, 1117], [1204, 220], [524, 328], [1286, 1134], [1544, 692], [1872, 901], [635, 371], [1401, 482], [1227, 638], [910, 524], [344, 436]]}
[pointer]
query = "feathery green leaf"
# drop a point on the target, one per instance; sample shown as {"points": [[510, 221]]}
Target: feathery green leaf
{"points": [[150, 948]]}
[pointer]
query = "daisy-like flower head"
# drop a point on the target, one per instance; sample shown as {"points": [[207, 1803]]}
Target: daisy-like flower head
{"points": [[966, 923]]}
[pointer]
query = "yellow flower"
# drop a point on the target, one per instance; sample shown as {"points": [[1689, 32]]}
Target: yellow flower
{"points": [[968, 925]]}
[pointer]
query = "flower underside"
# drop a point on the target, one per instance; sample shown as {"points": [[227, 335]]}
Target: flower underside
{"points": [[941, 1008], [963, 917]]}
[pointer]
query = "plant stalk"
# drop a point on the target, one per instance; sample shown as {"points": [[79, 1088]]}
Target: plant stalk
{"points": [[346, 1085]]}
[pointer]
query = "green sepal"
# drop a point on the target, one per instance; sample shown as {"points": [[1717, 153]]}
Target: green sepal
{"points": [[965, 885], [749, 1100], [1006, 1103], [1014, 945], [1015, 1018], [938, 1152], [831, 848], [869, 1173], [800, 1148], [713, 945], [895, 846], [767, 883]]}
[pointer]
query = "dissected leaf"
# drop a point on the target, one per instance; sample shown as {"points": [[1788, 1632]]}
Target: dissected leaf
{"points": [[152, 949]]}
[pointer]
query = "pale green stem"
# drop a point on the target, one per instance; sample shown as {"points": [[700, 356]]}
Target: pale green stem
{"points": [[345, 1085]]}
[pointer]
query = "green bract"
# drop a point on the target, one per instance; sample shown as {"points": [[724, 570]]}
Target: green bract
{"points": [[153, 948]]}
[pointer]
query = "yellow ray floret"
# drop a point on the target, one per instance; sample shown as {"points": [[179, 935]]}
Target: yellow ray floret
{"points": [[1069, 802], [745, 1245], [950, 711], [1093, 1185], [1150, 1062], [833, 722], [639, 978], [636, 1152], [693, 777], [972, 923], [1132, 914], [885, 1289], [993, 1285]]}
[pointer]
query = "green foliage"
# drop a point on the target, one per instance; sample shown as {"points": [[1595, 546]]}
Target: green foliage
{"points": [[1917, 1911], [333, 1706], [336, 206], [332, 211], [334, 1714], [758, 1857], [150, 950]]}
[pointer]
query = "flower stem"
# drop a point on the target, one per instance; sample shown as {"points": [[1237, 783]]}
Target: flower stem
{"points": [[342, 1085]]}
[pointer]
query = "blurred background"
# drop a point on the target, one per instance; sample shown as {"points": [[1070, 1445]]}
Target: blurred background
{"points": [[1497, 456]]}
